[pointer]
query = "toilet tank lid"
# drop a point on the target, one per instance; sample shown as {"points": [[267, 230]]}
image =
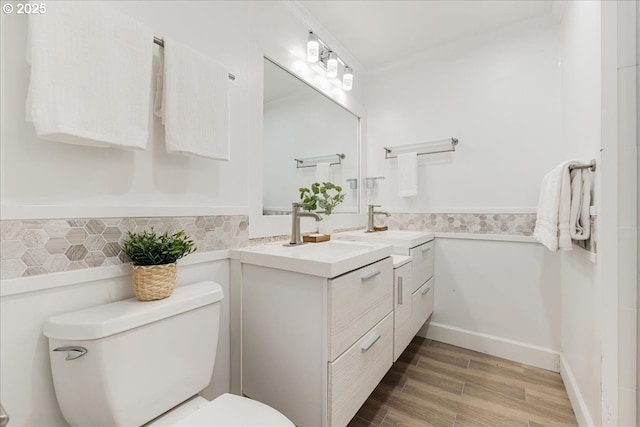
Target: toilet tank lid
{"points": [[109, 319]]}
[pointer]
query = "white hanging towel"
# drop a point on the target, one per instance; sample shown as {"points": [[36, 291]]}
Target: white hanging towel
{"points": [[323, 172], [192, 100], [90, 76], [554, 205], [579, 218], [407, 174]]}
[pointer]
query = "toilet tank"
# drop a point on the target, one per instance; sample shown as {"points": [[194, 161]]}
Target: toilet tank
{"points": [[142, 358]]}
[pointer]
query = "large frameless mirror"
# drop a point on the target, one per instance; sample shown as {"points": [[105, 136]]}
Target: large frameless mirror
{"points": [[307, 138]]}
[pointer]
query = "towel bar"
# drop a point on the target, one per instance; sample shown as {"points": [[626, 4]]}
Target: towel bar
{"points": [[421, 148], [310, 162], [591, 166], [160, 42]]}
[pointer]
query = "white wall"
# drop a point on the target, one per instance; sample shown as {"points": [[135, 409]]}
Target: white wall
{"points": [[85, 181], [498, 297], [627, 227], [581, 292], [498, 93]]}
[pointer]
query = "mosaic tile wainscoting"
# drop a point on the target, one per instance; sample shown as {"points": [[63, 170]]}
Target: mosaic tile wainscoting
{"points": [[34, 247]]}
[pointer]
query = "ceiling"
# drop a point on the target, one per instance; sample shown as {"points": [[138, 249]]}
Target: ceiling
{"points": [[376, 32]]}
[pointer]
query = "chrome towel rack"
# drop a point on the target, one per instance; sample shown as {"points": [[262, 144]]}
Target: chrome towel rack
{"points": [[421, 148], [160, 42], [310, 162], [591, 166]]}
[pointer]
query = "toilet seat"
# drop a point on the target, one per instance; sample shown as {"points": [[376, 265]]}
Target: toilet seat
{"points": [[230, 410]]}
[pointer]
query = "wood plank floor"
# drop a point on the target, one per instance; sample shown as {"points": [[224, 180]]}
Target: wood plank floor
{"points": [[436, 384]]}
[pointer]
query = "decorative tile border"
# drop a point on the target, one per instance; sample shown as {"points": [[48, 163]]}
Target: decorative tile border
{"points": [[511, 224], [34, 247], [515, 224]]}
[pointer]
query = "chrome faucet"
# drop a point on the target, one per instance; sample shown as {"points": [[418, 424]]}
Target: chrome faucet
{"points": [[295, 223], [371, 214]]}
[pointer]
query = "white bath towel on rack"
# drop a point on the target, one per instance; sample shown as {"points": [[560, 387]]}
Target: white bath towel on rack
{"points": [[554, 203], [579, 218], [563, 207], [323, 172], [90, 75], [407, 174], [192, 99]]}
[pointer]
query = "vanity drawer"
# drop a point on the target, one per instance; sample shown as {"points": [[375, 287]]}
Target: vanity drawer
{"points": [[422, 305], [423, 258], [357, 301], [355, 374]]}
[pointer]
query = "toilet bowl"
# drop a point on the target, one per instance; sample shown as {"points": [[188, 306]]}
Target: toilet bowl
{"points": [[129, 362], [227, 410]]}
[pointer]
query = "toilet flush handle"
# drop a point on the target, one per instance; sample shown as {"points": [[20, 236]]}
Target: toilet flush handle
{"points": [[73, 352]]}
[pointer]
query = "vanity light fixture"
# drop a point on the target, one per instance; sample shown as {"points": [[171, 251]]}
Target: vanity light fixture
{"points": [[347, 78], [313, 47], [332, 65], [318, 51]]}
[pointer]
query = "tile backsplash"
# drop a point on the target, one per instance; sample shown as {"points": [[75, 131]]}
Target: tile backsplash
{"points": [[34, 247]]}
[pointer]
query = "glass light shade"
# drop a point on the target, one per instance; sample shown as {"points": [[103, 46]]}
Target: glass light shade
{"points": [[313, 48], [332, 65], [347, 78]]}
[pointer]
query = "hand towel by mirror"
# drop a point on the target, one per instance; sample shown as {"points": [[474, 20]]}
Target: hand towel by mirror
{"points": [[193, 102], [323, 172], [407, 174], [90, 76]]}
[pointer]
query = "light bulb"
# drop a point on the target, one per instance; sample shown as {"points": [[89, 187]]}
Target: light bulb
{"points": [[313, 48], [332, 65], [347, 78]]}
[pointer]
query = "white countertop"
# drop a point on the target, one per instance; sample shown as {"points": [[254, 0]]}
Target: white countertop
{"points": [[325, 259]]}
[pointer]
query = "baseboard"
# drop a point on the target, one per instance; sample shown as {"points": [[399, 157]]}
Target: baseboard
{"points": [[575, 397], [517, 351]]}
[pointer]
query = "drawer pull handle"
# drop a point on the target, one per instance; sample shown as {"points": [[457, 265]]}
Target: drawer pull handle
{"points": [[399, 290], [426, 290], [370, 342], [369, 275], [425, 250]]}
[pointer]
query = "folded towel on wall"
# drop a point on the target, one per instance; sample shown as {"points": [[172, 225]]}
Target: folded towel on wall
{"points": [[579, 216], [90, 80], [192, 100], [561, 207], [407, 174], [323, 172]]}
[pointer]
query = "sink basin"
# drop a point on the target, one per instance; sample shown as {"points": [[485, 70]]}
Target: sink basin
{"points": [[326, 259], [404, 239]]}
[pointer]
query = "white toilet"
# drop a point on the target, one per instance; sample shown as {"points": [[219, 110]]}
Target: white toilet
{"points": [[128, 362]]}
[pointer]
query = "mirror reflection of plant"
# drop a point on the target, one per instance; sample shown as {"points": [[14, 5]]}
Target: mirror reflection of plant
{"points": [[324, 196]]}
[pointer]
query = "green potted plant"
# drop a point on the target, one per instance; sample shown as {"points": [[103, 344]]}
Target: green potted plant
{"points": [[154, 259], [325, 197]]}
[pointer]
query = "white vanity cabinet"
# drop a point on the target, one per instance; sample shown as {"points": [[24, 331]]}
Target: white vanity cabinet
{"points": [[414, 257], [423, 263], [315, 347], [403, 324]]}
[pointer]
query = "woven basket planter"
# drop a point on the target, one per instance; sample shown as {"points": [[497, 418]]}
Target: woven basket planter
{"points": [[153, 282]]}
